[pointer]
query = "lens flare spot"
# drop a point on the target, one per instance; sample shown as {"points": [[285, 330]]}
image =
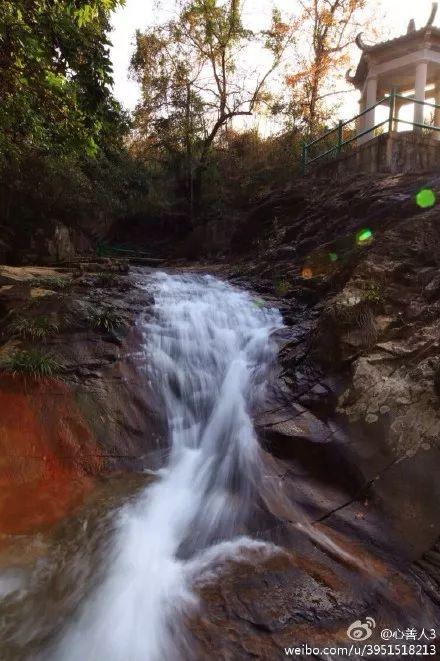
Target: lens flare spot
{"points": [[364, 237], [333, 257], [307, 273], [425, 198]]}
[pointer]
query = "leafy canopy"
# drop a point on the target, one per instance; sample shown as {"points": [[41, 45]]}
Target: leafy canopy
{"points": [[193, 74], [55, 77]]}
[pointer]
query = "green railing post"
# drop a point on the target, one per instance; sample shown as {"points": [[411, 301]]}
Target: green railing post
{"points": [[304, 159], [340, 136], [337, 148], [392, 101]]}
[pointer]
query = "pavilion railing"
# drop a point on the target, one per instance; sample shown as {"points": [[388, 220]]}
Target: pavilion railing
{"points": [[332, 142]]}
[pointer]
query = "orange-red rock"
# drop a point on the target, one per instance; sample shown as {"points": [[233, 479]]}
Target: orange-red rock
{"points": [[47, 454]]}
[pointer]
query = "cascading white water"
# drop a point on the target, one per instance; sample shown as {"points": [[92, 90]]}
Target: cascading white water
{"points": [[207, 352]]}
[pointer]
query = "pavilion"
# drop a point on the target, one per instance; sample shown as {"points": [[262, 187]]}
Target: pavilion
{"points": [[409, 66], [395, 75]]}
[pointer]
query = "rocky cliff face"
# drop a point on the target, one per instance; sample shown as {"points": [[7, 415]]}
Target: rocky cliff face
{"points": [[356, 265], [350, 428], [95, 414]]}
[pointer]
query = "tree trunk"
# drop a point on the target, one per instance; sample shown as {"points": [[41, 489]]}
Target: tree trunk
{"points": [[207, 144]]}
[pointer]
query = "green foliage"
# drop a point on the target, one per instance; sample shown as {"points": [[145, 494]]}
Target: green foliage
{"points": [[75, 191], [34, 328], [245, 167], [106, 319], [62, 151], [32, 363], [55, 76], [107, 279], [236, 270], [373, 292], [52, 282], [282, 286], [193, 83]]}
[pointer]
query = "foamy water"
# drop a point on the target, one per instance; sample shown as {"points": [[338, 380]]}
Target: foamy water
{"points": [[207, 352]]}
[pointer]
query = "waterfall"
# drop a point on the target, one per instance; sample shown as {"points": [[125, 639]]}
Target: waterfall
{"points": [[208, 348]]}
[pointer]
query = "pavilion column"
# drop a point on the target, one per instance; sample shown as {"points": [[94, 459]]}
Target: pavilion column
{"points": [[420, 87], [399, 103], [371, 100], [360, 122]]}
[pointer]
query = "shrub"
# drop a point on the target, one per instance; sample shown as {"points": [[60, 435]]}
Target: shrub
{"points": [[282, 286], [34, 328], [32, 363], [373, 292], [52, 282], [106, 319], [107, 279]]}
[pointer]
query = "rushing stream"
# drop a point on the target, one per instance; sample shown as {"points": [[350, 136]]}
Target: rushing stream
{"points": [[126, 578], [207, 351]]}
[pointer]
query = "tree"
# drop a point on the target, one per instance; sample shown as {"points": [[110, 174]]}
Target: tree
{"points": [[62, 153], [55, 77], [194, 81], [328, 28]]}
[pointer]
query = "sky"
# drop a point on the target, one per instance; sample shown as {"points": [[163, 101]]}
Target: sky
{"points": [[139, 14]]}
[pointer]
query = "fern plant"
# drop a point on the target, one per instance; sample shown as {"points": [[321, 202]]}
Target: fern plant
{"points": [[53, 282], [107, 279], [34, 328], [106, 319], [32, 363]]}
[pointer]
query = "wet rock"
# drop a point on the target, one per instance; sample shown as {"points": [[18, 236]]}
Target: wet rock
{"points": [[369, 320], [98, 416], [47, 454], [432, 290], [268, 599], [286, 252]]}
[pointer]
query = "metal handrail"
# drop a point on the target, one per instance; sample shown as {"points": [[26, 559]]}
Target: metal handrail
{"points": [[391, 120], [417, 101], [430, 127], [321, 137], [366, 111], [347, 142], [348, 121]]}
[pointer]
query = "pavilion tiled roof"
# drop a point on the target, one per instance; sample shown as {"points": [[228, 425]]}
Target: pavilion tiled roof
{"points": [[428, 31], [362, 68]]}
